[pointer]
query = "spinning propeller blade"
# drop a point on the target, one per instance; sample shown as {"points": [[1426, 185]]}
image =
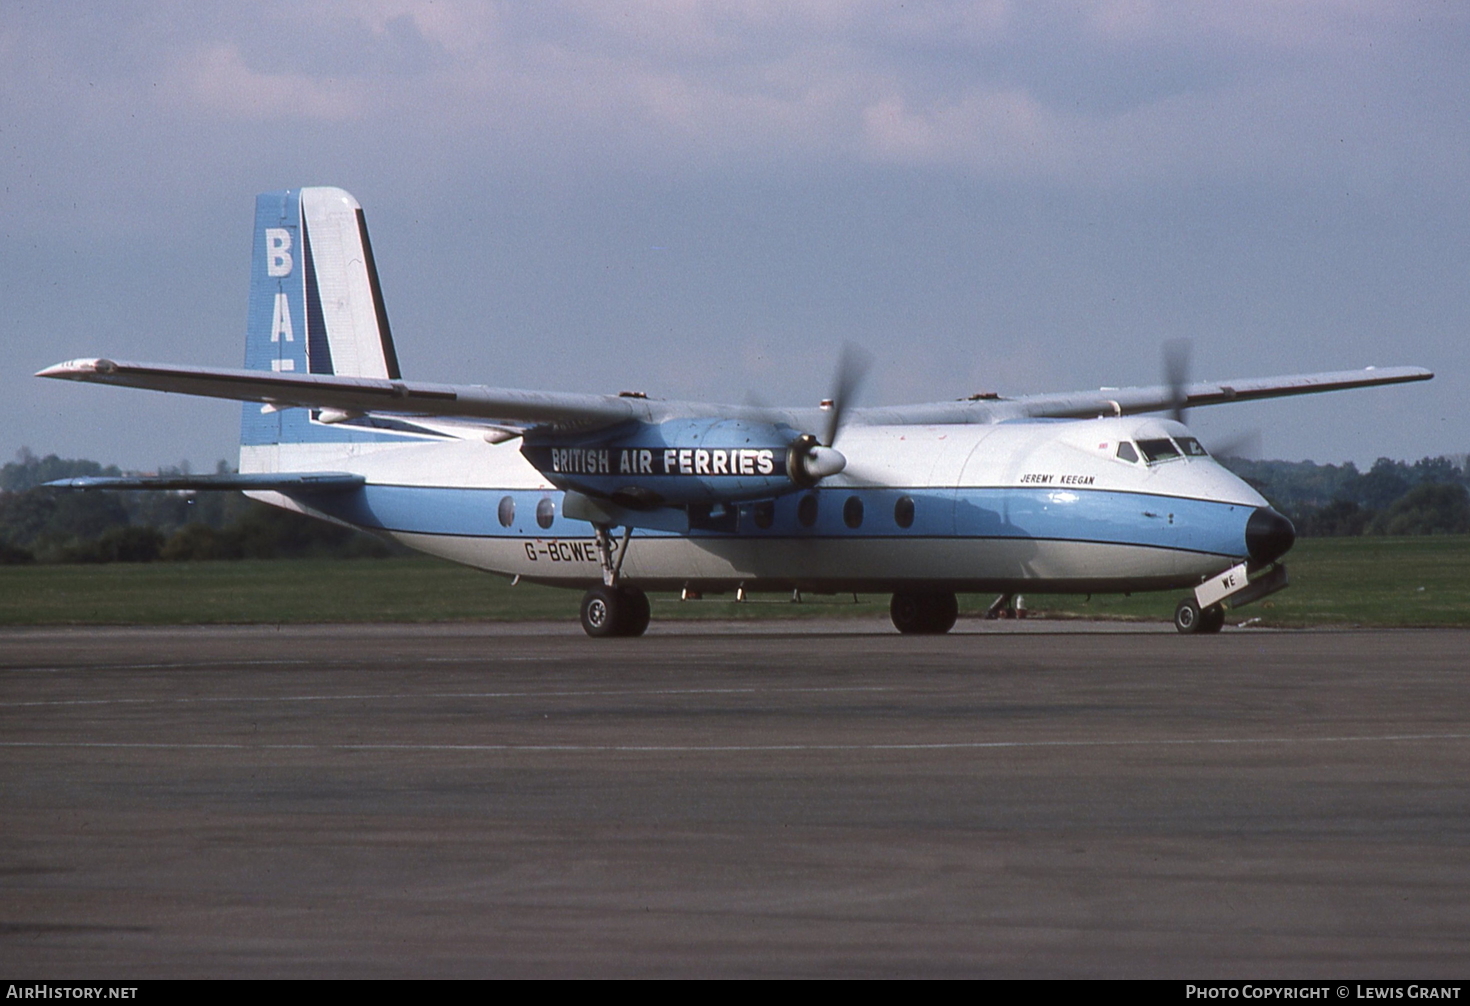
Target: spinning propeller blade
{"points": [[1176, 375], [852, 369], [810, 460]]}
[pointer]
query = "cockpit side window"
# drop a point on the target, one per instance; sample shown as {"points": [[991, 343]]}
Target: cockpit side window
{"points": [[1192, 447], [1158, 450], [1126, 452]]}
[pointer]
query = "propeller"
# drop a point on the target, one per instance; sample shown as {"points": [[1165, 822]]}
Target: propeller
{"points": [[852, 368], [810, 460], [1176, 375], [1246, 444]]}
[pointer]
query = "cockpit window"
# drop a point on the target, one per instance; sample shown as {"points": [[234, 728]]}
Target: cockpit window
{"points": [[1192, 447], [1126, 452], [1158, 450]]}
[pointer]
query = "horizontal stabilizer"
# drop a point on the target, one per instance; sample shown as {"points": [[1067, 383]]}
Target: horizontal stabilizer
{"points": [[318, 482]]}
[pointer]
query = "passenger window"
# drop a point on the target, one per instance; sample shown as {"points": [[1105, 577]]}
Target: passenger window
{"points": [[545, 512], [1127, 453], [1158, 450], [806, 510], [852, 512], [507, 511], [903, 511]]}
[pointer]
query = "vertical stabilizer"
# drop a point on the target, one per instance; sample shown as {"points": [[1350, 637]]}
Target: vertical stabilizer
{"points": [[315, 306]]}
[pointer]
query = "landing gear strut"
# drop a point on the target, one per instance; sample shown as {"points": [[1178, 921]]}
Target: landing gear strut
{"points": [[614, 609], [929, 613]]}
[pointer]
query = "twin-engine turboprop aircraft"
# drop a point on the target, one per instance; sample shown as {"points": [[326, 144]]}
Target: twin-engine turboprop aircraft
{"points": [[620, 494]]}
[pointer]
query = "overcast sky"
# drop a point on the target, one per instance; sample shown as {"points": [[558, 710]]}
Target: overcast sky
{"points": [[706, 200]]}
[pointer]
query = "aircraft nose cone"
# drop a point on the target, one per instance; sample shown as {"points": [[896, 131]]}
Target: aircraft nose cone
{"points": [[1268, 535]]}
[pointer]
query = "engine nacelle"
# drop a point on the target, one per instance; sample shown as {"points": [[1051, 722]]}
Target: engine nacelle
{"points": [[684, 461]]}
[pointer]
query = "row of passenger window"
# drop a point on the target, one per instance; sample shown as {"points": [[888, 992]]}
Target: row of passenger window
{"points": [[763, 515]]}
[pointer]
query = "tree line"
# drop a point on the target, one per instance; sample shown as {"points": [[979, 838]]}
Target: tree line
{"points": [[38, 524], [1428, 496]]}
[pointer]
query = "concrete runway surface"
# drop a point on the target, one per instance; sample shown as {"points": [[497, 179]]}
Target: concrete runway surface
{"points": [[815, 799]]}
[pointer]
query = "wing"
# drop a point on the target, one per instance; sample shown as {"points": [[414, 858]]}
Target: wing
{"points": [[1131, 401], [357, 395], [1128, 401], [568, 411]]}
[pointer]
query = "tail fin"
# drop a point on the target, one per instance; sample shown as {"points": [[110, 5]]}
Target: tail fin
{"points": [[315, 302], [315, 305]]}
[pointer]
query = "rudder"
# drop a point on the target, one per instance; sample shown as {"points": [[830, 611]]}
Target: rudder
{"points": [[316, 305]]}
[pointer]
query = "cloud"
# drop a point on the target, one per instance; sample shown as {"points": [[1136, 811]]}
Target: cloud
{"points": [[218, 81], [1077, 94]]}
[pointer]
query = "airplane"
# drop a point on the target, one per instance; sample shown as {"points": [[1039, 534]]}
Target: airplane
{"points": [[621, 494]]}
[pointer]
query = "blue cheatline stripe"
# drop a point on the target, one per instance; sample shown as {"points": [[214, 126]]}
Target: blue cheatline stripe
{"points": [[1083, 515]]}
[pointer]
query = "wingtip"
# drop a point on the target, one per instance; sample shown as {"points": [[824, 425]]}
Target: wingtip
{"points": [[78, 368]]}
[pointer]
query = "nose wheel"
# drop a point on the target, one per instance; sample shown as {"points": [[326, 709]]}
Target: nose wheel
{"points": [[1190, 619]]}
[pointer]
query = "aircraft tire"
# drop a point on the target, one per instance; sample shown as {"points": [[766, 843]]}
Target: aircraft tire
{"points": [[603, 612], [1188, 619], [1212, 619], [636, 611], [923, 614]]}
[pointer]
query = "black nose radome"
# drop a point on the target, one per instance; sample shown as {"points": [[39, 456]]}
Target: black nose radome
{"points": [[1268, 535]]}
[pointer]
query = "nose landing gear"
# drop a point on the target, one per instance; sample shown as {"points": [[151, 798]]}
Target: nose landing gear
{"points": [[1190, 618]]}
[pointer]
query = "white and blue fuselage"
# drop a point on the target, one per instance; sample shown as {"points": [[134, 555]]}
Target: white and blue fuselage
{"points": [[1034, 506]]}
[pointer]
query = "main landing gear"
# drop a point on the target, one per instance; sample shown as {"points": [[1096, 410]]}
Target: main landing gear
{"points": [[614, 608], [615, 611], [930, 613]]}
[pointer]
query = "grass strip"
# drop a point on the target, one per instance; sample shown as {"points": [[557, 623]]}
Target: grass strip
{"points": [[1423, 581]]}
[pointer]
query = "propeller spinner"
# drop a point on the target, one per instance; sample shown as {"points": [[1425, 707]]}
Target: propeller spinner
{"points": [[810, 460]]}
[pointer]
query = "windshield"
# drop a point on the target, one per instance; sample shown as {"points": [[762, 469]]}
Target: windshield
{"points": [[1158, 450], [1192, 447]]}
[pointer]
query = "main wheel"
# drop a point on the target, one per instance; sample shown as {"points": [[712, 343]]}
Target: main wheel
{"points": [[1188, 619], [636, 611], [609, 611], [930, 613], [602, 612]]}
